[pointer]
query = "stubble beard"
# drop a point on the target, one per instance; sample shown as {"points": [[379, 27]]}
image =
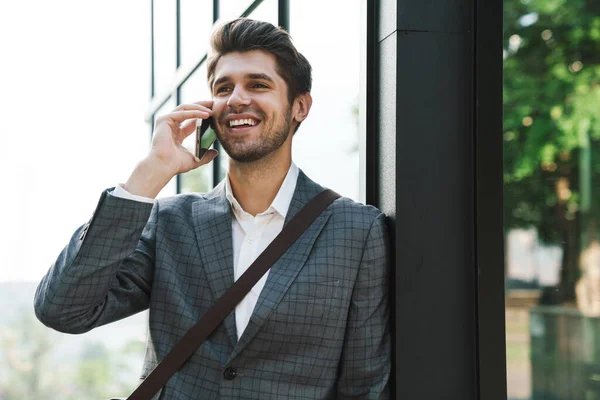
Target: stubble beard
{"points": [[271, 139]]}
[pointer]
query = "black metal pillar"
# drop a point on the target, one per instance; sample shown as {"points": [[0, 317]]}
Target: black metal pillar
{"points": [[489, 204], [434, 163]]}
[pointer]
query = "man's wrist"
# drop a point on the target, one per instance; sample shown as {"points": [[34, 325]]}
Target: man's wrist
{"points": [[121, 192], [148, 178]]}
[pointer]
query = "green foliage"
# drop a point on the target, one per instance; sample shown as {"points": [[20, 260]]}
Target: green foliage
{"points": [[24, 356], [197, 180], [551, 111], [30, 367]]}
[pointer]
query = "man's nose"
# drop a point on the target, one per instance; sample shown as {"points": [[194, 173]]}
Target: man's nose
{"points": [[238, 97]]}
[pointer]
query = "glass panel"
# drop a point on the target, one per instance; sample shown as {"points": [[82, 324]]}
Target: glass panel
{"points": [[196, 18], [165, 51], [171, 187], [266, 11], [223, 163], [552, 198], [329, 136], [195, 89], [232, 9]]}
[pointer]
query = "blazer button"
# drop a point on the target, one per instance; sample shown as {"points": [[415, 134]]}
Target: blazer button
{"points": [[229, 373]]}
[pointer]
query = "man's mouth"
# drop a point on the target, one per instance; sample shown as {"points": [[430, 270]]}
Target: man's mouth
{"points": [[241, 125], [242, 122]]}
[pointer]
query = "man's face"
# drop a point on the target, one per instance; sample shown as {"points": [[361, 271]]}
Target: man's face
{"points": [[252, 114]]}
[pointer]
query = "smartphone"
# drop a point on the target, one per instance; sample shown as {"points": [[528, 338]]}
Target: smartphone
{"points": [[205, 136]]}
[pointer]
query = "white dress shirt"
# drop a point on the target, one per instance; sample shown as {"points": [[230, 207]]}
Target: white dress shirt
{"points": [[251, 235]]}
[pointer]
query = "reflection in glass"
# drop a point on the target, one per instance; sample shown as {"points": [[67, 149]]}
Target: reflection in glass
{"points": [[326, 145], [165, 52], [195, 89], [552, 198], [171, 187]]}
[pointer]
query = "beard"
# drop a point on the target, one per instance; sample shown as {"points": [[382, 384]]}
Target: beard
{"points": [[272, 136]]}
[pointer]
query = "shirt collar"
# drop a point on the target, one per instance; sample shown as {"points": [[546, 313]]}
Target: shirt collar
{"points": [[281, 202]]}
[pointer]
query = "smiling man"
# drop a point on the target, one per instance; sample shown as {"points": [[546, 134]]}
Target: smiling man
{"points": [[315, 326]]}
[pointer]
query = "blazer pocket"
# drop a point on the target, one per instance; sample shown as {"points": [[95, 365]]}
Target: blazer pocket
{"points": [[313, 291]]}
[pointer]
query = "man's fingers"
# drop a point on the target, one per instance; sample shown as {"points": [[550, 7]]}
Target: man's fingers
{"points": [[208, 157], [205, 103], [180, 116], [195, 106], [182, 120], [188, 127]]}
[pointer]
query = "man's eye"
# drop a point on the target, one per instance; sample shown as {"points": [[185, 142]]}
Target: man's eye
{"points": [[260, 86], [222, 89]]}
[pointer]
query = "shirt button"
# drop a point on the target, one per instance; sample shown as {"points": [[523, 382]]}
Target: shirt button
{"points": [[229, 373]]}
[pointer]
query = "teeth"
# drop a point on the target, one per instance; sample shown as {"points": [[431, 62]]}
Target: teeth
{"points": [[239, 122]]}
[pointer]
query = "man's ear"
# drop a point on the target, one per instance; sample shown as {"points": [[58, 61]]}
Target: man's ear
{"points": [[302, 105]]}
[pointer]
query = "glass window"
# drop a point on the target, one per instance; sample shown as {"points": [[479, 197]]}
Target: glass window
{"points": [[171, 187], [267, 11], [196, 19], [223, 164], [165, 51], [552, 198], [326, 145], [232, 9], [195, 89]]}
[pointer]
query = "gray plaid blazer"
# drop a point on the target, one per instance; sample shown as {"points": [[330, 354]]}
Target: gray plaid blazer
{"points": [[320, 329]]}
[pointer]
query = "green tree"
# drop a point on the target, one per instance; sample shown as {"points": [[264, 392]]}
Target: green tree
{"points": [[552, 123]]}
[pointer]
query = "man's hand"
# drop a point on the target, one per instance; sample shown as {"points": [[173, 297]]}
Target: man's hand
{"points": [[168, 157], [171, 129]]}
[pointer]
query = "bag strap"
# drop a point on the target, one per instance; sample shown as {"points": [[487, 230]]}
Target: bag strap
{"points": [[188, 344]]}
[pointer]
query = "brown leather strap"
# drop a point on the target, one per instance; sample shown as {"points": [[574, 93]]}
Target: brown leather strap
{"points": [[213, 317]]}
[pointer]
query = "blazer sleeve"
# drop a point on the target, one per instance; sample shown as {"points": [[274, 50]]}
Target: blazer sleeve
{"points": [[366, 359], [105, 272]]}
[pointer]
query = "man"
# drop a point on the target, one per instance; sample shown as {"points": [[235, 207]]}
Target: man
{"points": [[315, 326]]}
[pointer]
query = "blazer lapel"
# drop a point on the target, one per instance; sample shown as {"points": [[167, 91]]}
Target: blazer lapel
{"points": [[212, 223], [285, 270]]}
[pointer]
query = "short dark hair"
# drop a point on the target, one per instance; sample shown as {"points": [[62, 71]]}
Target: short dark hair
{"points": [[243, 34]]}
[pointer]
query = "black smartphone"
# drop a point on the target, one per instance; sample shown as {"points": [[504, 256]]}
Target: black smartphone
{"points": [[205, 136]]}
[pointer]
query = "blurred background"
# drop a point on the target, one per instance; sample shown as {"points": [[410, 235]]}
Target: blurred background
{"points": [[81, 84], [552, 198]]}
